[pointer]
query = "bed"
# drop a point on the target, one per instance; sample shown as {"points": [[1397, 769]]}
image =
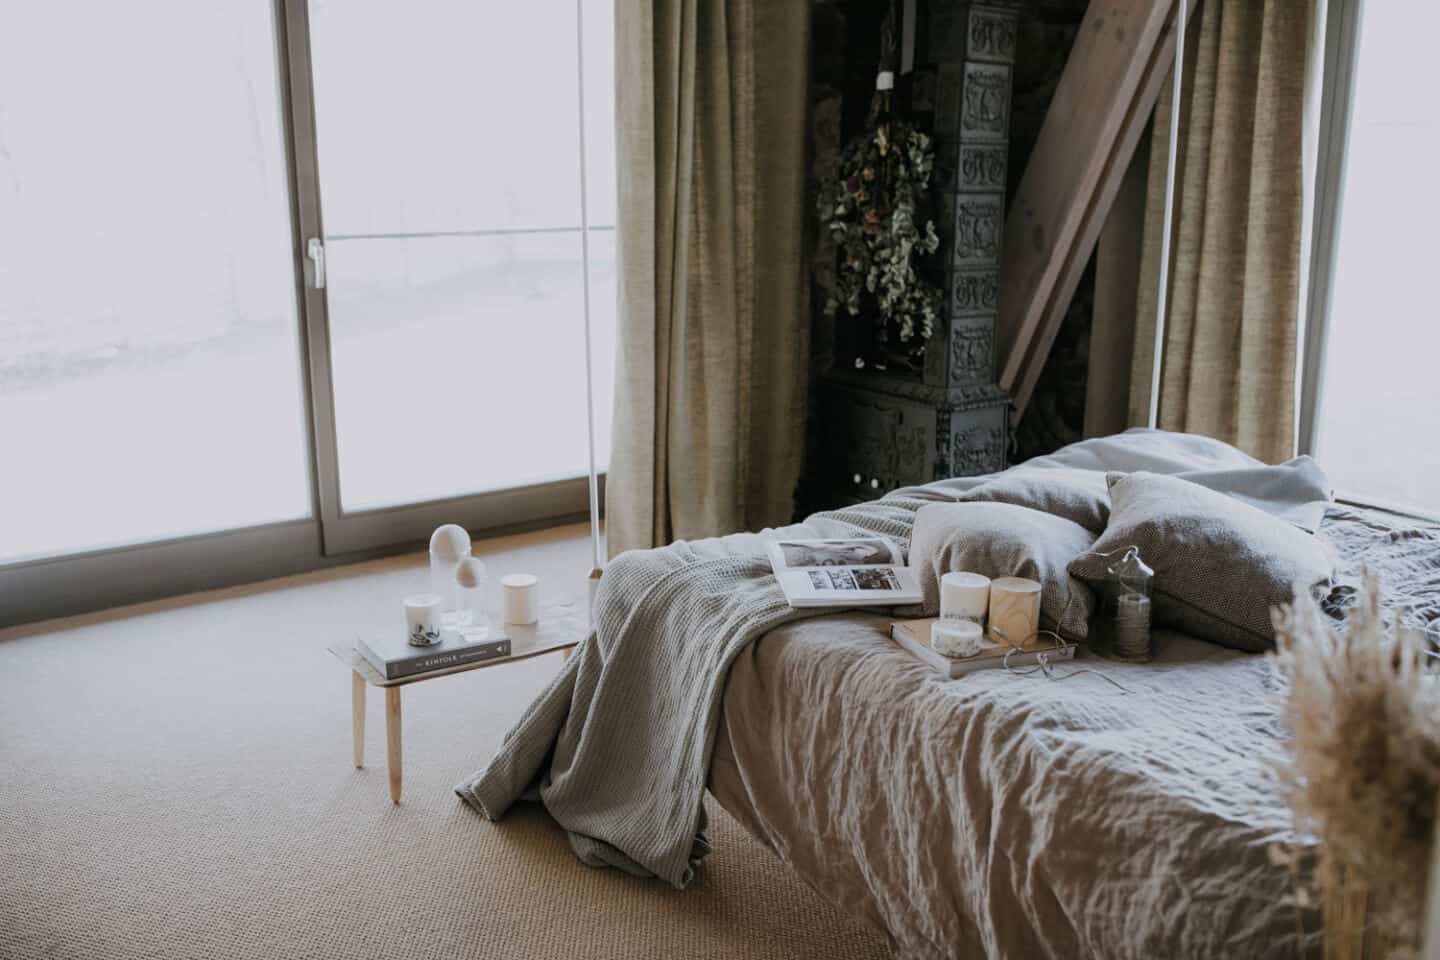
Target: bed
{"points": [[1119, 810], [1018, 816]]}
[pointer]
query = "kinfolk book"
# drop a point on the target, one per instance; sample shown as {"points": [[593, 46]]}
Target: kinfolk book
{"points": [[396, 659], [858, 572]]}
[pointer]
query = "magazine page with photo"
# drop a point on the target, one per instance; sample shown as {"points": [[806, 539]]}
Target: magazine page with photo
{"points": [[840, 553], [858, 572]]}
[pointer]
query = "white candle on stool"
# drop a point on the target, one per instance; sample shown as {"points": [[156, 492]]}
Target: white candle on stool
{"points": [[422, 619], [955, 638], [521, 597], [1014, 611], [964, 596]]}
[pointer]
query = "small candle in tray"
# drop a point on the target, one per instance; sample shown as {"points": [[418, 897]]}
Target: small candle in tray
{"points": [[964, 596]]}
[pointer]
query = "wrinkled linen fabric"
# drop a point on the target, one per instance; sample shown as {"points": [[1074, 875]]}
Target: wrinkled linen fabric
{"points": [[618, 746], [1011, 816]]}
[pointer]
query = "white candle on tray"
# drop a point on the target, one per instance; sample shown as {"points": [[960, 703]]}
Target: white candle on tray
{"points": [[956, 638], [964, 596]]}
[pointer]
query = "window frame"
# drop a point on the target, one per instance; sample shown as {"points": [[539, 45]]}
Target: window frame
{"points": [[1337, 96], [62, 585]]}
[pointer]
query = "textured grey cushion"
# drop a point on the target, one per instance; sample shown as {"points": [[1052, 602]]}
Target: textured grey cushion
{"points": [[1079, 496], [1003, 540], [1220, 564]]}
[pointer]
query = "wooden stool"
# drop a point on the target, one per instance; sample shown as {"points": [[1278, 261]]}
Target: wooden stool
{"points": [[550, 634]]}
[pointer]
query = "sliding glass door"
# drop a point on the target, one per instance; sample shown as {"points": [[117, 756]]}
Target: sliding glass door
{"points": [[150, 370], [449, 220], [288, 280]]}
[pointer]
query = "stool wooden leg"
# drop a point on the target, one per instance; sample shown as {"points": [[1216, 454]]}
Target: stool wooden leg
{"points": [[392, 739], [357, 717]]}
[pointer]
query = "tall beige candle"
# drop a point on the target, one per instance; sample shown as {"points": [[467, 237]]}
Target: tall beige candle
{"points": [[1014, 610]]}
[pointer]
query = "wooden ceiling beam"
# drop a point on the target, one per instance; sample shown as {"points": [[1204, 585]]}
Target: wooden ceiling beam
{"points": [[1104, 99]]}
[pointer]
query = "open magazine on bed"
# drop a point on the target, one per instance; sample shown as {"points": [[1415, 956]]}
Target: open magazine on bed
{"points": [[857, 572]]}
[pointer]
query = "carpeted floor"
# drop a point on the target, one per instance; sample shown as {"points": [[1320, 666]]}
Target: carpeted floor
{"points": [[176, 781]]}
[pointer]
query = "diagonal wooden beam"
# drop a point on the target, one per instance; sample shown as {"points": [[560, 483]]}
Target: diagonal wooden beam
{"points": [[1119, 62]]}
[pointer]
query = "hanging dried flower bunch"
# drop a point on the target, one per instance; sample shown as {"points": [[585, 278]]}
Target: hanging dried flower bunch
{"points": [[873, 206], [1363, 769]]}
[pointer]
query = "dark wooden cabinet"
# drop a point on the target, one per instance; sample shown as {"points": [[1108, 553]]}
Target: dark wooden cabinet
{"points": [[876, 430]]}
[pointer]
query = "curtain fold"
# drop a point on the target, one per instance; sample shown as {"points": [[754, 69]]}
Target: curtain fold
{"points": [[1233, 317], [713, 326]]}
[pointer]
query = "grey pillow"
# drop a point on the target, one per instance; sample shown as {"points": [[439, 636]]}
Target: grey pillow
{"points": [[1220, 564], [1079, 496], [1003, 540]]}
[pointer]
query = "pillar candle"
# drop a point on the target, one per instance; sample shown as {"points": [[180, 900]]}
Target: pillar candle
{"points": [[422, 619], [1014, 611], [964, 596], [521, 598], [956, 638]]}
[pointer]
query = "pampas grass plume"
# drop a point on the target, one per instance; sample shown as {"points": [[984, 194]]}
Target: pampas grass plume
{"points": [[1363, 770]]}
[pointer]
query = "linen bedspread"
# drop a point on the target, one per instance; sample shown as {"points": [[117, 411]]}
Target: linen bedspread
{"points": [[1015, 816], [618, 746]]}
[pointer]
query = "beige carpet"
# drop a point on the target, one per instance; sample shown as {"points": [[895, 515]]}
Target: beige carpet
{"points": [[175, 781]]}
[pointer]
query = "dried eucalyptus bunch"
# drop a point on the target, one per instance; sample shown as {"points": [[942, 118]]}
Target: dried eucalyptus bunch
{"points": [[1363, 768], [873, 205]]}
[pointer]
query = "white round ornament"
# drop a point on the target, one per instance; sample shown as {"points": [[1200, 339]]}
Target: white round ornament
{"points": [[449, 542]]}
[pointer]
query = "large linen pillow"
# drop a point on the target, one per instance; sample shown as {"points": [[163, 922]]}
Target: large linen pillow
{"points": [[1004, 540], [1220, 564], [1079, 496]]}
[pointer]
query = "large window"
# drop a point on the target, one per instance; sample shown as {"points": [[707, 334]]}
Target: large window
{"points": [[149, 337], [1375, 426], [448, 138], [301, 265]]}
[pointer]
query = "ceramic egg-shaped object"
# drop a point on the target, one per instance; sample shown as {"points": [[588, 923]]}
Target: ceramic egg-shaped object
{"points": [[470, 573]]}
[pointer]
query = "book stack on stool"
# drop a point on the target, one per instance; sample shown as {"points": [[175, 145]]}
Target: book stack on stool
{"points": [[446, 632]]}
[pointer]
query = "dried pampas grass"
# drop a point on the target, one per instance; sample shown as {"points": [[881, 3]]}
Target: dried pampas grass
{"points": [[1363, 770]]}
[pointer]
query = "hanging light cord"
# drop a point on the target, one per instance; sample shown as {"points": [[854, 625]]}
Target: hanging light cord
{"points": [[585, 272], [1162, 294]]}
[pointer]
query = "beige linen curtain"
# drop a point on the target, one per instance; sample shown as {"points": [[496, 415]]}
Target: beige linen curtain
{"points": [[713, 326], [1231, 328]]}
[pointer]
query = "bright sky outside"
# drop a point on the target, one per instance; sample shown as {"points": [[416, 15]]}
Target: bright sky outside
{"points": [[1379, 438], [149, 361]]}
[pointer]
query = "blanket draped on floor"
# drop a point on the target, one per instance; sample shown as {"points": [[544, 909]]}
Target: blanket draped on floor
{"points": [[618, 746]]}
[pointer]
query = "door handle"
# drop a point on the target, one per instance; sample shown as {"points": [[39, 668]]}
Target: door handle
{"points": [[315, 250]]}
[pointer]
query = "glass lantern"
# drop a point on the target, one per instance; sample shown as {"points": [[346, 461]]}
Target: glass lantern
{"points": [[1124, 620]]}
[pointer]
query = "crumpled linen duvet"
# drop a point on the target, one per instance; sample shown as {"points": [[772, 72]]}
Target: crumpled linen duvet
{"points": [[949, 820], [1001, 815]]}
